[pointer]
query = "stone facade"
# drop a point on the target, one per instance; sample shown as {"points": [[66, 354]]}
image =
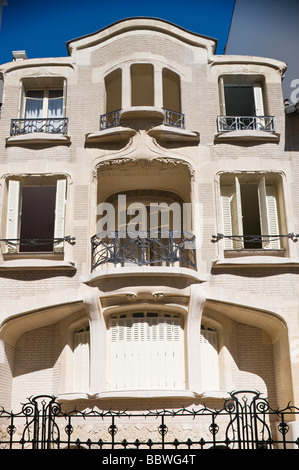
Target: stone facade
{"points": [[245, 296]]}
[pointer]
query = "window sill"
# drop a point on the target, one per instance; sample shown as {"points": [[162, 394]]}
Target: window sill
{"points": [[146, 394], [125, 271], [36, 261], [250, 136], [173, 134], [253, 258], [38, 138], [113, 134]]}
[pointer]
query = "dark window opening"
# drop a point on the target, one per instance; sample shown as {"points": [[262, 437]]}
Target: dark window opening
{"points": [[250, 213], [239, 101], [37, 218]]}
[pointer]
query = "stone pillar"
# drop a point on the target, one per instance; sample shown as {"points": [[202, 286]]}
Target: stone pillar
{"points": [[196, 305], [98, 350]]}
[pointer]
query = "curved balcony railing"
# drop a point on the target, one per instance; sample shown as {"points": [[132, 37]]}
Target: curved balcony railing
{"points": [[246, 123], [113, 119], [49, 125], [124, 249]]}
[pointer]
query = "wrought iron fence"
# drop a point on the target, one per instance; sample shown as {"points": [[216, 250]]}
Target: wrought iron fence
{"points": [[245, 123], [245, 421], [49, 126], [113, 119], [124, 248]]}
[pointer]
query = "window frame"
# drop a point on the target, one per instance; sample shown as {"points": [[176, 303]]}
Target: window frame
{"points": [[274, 179], [12, 228]]}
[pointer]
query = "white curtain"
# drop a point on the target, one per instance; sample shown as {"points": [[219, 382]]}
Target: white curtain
{"points": [[34, 104]]}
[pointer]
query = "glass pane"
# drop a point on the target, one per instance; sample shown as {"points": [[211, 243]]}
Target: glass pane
{"points": [[55, 106], [34, 104]]}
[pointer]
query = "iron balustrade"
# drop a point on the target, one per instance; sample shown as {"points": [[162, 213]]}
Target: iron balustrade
{"points": [[245, 421], [246, 123], [174, 119], [144, 249], [48, 126], [26, 244], [254, 238], [113, 119]]}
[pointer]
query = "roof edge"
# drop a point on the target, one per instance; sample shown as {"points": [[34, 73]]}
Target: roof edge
{"points": [[144, 22]]}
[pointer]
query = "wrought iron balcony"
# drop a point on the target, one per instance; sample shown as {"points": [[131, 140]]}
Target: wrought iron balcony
{"points": [[174, 119], [254, 238], [124, 248], [113, 119], [36, 244], [246, 123], [49, 126]]}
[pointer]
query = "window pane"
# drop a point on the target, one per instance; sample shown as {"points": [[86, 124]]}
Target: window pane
{"points": [[55, 105], [34, 104]]}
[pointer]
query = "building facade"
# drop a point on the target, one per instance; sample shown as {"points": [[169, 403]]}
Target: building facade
{"points": [[148, 224]]}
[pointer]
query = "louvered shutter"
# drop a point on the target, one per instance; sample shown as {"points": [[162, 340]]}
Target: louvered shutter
{"points": [[81, 361], [60, 213], [226, 195], [268, 213], [222, 97], [209, 359], [236, 212], [146, 353], [13, 214]]}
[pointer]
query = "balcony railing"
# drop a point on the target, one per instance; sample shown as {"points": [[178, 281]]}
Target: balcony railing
{"points": [[254, 238], [125, 248], [244, 421], [246, 123], [113, 119], [49, 126]]}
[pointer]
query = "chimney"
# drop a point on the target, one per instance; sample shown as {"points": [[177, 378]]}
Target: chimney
{"points": [[19, 55]]}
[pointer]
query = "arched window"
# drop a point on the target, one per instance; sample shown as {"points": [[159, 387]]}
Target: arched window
{"points": [[146, 351], [171, 91], [142, 85], [113, 85], [209, 358], [81, 360]]}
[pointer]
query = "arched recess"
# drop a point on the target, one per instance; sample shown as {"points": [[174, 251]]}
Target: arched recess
{"points": [[253, 350]]}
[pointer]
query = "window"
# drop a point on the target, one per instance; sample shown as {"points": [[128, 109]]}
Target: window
{"points": [[113, 85], [209, 358], [171, 91], [242, 104], [42, 107], [81, 359], [146, 351], [250, 211], [35, 214], [241, 96], [142, 85]]}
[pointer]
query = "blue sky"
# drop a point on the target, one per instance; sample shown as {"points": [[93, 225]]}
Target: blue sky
{"points": [[43, 28]]}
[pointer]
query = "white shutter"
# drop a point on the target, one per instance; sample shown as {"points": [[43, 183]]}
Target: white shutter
{"points": [[222, 97], [209, 359], [272, 215], [13, 214], [60, 213], [226, 195], [146, 353], [81, 361], [268, 213], [258, 100], [236, 212]]}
